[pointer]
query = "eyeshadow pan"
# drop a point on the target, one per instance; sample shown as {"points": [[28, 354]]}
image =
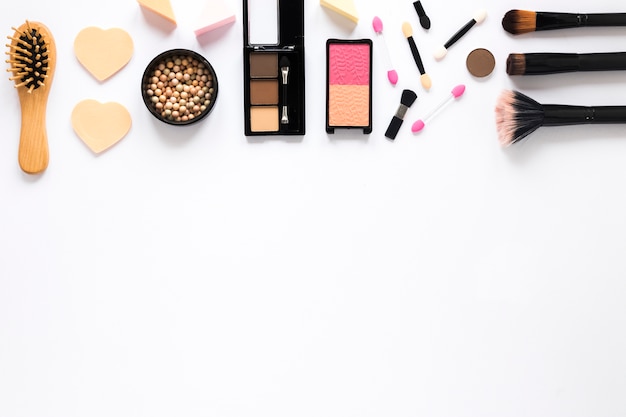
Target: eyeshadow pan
{"points": [[263, 65], [263, 92], [264, 119]]}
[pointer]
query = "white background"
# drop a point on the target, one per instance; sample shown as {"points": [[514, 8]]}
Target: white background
{"points": [[195, 272]]}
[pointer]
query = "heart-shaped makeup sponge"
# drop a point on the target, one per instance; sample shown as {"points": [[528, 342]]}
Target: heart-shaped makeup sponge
{"points": [[100, 125], [103, 52]]}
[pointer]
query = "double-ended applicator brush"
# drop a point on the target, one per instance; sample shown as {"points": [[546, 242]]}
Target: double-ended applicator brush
{"points": [[478, 18], [524, 21], [407, 29]]}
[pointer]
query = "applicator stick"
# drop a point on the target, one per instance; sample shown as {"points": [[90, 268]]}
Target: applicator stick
{"points": [[392, 75], [421, 123], [408, 34], [478, 18]]}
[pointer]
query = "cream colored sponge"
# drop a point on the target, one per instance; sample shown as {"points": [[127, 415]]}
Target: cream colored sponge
{"points": [[161, 7], [345, 8]]}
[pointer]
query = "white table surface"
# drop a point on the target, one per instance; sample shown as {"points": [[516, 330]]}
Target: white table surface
{"points": [[193, 271]]}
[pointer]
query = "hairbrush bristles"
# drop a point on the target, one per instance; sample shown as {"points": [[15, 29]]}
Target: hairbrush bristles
{"points": [[519, 21], [517, 116], [28, 57]]}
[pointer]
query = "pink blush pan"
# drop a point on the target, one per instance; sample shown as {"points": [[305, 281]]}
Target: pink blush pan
{"points": [[349, 84]]}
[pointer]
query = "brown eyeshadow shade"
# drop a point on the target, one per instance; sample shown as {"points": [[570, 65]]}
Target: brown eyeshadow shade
{"points": [[263, 92], [263, 65], [264, 119], [480, 62]]}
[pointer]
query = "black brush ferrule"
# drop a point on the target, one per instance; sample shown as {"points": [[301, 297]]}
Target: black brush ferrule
{"points": [[564, 115], [552, 20]]}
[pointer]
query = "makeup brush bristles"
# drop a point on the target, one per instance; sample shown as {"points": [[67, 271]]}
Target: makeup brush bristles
{"points": [[516, 64], [517, 116], [519, 21], [408, 98]]}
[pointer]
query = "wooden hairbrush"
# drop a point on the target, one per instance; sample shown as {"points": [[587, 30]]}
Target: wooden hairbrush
{"points": [[32, 60]]}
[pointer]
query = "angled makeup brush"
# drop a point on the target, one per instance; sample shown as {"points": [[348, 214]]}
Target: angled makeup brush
{"points": [[479, 17], [408, 34], [518, 115], [284, 70], [554, 63], [524, 21], [406, 101]]}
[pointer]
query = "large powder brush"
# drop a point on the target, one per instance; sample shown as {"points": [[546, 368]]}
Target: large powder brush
{"points": [[518, 115], [32, 60]]}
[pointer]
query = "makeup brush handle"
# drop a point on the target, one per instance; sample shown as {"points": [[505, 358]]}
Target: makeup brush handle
{"points": [[554, 20], [564, 115], [460, 33], [604, 19], [553, 63], [416, 56]]}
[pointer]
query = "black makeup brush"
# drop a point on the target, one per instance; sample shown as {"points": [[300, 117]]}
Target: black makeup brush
{"points": [[518, 115], [424, 19], [524, 21], [406, 101], [553, 63], [284, 70]]}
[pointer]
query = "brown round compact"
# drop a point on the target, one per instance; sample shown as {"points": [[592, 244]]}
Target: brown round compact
{"points": [[480, 62]]}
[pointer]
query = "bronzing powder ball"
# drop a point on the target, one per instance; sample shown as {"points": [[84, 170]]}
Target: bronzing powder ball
{"points": [[179, 87]]}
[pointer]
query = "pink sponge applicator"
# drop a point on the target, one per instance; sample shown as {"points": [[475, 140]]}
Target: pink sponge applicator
{"points": [[215, 15], [456, 93], [392, 75]]}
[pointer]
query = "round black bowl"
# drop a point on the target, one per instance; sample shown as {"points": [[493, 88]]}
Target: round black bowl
{"points": [[146, 82]]}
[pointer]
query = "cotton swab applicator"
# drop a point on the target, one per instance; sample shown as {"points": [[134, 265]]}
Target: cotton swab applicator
{"points": [[408, 34], [456, 93], [478, 18], [392, 75]]}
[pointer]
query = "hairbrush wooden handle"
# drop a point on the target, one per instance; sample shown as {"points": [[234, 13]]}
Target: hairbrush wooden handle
{"points": [[33, 153]]}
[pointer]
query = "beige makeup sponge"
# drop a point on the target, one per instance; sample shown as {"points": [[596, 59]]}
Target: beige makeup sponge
{"points": [[103, 52]]}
